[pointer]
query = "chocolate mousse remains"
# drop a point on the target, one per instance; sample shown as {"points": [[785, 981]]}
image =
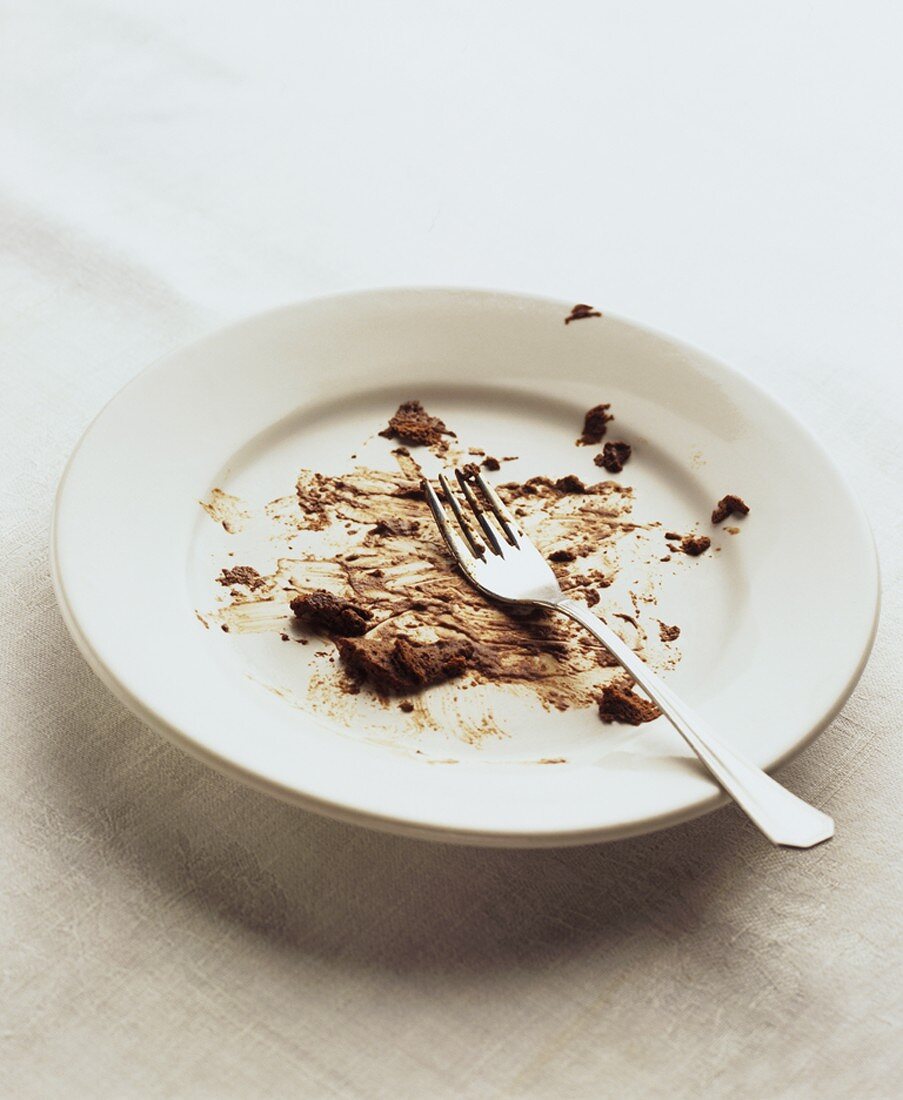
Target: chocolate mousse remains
{"points": [[411, 423], [595, 425], [374, 577], [729, 506], [331, 614], [619, 703], [613, 457], [581, 311]]}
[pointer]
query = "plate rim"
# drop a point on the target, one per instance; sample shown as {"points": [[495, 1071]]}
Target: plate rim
{"points": [[404, 826]]}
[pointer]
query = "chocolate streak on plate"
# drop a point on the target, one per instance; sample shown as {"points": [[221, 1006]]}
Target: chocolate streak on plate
{"points": [[227, 510], [398, 569]]}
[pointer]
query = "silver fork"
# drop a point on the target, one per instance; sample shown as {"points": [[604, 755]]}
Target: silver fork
{"points": [[508, 567]]}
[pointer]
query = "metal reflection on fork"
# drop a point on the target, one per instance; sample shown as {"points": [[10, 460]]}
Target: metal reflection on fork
{"points": [[508, 567]]}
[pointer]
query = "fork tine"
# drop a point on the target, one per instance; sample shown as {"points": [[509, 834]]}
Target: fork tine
{"points": [[488, 529], [500, 510], [460, 550], [476, 547]]}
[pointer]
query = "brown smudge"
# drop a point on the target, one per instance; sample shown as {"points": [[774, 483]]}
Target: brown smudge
{"points": [[241, 574], [227, 510]]}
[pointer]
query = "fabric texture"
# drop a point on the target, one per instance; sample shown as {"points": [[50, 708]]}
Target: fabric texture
{"points": [[730, 175]]}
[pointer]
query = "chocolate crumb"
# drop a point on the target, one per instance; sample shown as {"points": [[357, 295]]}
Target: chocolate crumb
{"points": [[411, 423], [619, 703], [580, 311], [284, 637], [471, 471], [595, 425], [729, 506], [562, 555], [492, 463], [613, 457], [591, 596], [241, 574], [397, 666], [570, 483], [332, 614], [668, 633], [694, 545], [673, 536], [225, 627], [406, 705], [667, 557]]}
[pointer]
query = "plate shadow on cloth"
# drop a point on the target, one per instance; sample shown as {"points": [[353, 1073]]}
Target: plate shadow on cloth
{"points": [[183, 835]]}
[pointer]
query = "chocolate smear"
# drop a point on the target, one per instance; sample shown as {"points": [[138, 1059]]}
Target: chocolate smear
{"points": [[241, 574]]}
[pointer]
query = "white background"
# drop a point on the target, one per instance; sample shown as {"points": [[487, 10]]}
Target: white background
{"points": [[730, 173]]}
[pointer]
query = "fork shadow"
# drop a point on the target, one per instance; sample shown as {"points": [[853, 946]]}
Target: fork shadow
{"points": [[304, 883]]}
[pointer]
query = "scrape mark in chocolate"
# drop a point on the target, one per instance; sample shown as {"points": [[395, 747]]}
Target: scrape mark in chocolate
{"points": [[227, 510]]}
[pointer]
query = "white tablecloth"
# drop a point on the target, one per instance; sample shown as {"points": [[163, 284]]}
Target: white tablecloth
{"points": [[728, 173]]}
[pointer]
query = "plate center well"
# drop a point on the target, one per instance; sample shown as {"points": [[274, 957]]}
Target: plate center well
{"points": [[253, 520]]}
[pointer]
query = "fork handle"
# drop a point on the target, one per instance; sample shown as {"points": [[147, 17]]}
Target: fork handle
{"points": [[781, 816]]}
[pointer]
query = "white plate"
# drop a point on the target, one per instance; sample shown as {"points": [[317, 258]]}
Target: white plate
{"points": [[776, 626]]}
